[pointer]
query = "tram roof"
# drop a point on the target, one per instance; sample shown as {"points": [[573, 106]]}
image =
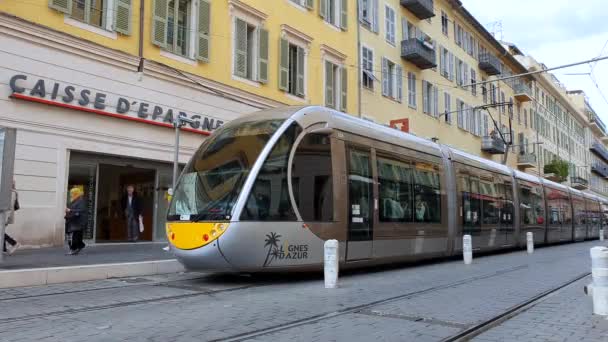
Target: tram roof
{"points": [[556, 185], [473, 160]]}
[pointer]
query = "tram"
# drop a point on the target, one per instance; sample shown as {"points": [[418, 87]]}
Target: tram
{"points": [[265, 191]]}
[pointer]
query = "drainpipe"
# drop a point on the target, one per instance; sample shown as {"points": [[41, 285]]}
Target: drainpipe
{"points": [[140, 67]]}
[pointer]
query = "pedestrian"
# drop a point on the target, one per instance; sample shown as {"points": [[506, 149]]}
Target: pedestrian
{"points": [[76, 217], [131, 207], [10, 219]]}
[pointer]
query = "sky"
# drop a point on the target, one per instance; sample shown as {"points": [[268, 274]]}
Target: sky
{"points": [[555, 32]]}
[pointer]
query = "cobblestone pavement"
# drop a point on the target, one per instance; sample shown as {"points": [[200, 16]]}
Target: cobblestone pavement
{"points": [[427, 302]]}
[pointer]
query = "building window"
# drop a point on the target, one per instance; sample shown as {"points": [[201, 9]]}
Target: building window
{"points": [[473, 82], [430, 99], [392, 80], [250, 51], [460, 108], [335, 86], [367, 63], [369, 14], [390, 24], [304, 3], [444, 23], [411, 89], [111, 15], [502, 100], [447, 104], [292, 69], [446, 63], [182, 28], [334, 12]]}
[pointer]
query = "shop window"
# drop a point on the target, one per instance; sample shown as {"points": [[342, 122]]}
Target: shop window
{"points": [[84, 177], [312, 178]]}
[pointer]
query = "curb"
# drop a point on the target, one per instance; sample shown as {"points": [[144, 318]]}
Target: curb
{"points": [[57, 275]]}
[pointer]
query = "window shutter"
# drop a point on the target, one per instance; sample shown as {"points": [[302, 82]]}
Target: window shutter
{"points": [[122, 17], [441, 61], [204, 23], [323, 8], [159, 28], [375, 20], [64, 6], [309, 4], [344, 16], [300, 73], [284, 65], [404, 29], [435, 101], [425, 98], [240, 47], [344, 88], [263, 55], [385, 78], [451, 67], [329, 84], [399, 83]]}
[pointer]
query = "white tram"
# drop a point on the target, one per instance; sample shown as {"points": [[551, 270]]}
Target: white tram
{"points": [[265, 191]]}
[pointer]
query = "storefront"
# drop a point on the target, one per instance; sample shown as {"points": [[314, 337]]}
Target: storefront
{"points": [[89, 120]]}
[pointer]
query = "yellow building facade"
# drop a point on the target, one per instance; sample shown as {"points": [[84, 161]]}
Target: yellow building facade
{"points": [[275, 50]]}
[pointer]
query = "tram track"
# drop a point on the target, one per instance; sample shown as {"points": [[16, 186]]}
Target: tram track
{"points": [[477, 329], [354, 309]]}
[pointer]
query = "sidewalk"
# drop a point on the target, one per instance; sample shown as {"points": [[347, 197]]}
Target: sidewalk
{"points": [[52, 265]]}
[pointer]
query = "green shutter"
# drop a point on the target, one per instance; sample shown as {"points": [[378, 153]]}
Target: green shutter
{"points": [[263, 56], [122, 17], [310, 4], [240, 48], [64, 6], [204, 23], [159, 27], [344, 88], [284, 65], [300, 73], [323, 8], [344, 12], [329, 84]]}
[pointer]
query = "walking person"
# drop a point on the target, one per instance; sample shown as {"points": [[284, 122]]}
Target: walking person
{"points": [[131, 207], [10, 219], [76, 217]]}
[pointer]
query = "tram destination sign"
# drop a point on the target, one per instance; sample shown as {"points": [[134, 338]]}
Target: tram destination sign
{"points": [[80, 98]]}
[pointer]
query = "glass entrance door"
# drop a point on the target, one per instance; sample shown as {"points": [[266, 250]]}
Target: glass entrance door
{"points": [[360, 197], [162, 204]]}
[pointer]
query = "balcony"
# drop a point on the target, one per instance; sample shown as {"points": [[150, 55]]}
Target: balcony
{"points": [[527, 160], [423, 9], [418, 52], [600, 168], [579, 183], [597, 126], [599, 149], [489, 63], [522, 92], [492, 145]]}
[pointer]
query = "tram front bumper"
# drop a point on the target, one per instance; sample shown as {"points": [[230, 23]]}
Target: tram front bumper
{"points": [[206, 258]]}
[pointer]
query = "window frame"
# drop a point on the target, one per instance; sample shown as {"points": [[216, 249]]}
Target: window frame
{"points": [[192, 21], [390, 26]]}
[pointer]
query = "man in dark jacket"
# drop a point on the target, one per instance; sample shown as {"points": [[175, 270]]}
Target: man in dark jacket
{"points": [[76, 217], [131, 207]]}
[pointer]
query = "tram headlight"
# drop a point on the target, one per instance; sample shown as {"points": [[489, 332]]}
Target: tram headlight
{"points": [[213, 233], [220, 226]]}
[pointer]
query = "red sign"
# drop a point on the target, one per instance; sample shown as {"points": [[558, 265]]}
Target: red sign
{"points": [[401, 124]]}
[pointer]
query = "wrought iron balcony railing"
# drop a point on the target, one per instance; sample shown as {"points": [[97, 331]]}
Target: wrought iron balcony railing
{"points": [[420, 53], [423, 9]]}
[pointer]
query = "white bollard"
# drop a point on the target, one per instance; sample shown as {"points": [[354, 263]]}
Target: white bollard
{"points": [[530, 242], [601, 235], [467, 249], [331, 264], [599, 271]]}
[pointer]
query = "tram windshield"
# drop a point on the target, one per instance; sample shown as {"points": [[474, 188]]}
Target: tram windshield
{"points": [[211, 182]]}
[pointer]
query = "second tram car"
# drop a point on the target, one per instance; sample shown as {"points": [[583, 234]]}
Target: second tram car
{"points": [[265, 191]]}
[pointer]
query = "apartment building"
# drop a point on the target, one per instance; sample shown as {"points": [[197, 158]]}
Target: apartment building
{"points": [[427, 68], [93, 88]]}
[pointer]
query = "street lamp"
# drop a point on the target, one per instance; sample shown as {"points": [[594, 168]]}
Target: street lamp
{"points": [[178, 122]]}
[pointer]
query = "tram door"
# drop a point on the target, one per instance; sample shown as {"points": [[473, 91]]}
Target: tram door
{"points": [[360, 206]]}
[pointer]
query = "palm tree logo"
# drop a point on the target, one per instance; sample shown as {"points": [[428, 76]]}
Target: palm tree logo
{"points": [[272, 242]]}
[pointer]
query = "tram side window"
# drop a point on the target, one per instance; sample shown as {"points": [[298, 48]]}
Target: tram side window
{"points": [[505, 189], [469, 188], [490, 202], [554, 206], [312, 178], [579, 211], [532, 205], [395, 188], [269, 197], [427, 194]]}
